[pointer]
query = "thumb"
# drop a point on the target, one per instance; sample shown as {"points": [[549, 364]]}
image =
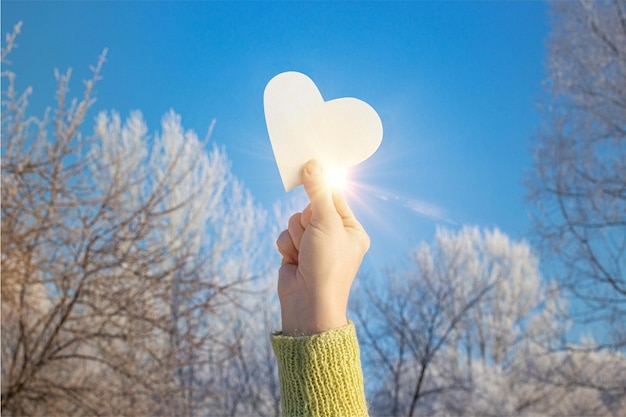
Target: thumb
{"points": [[318, 190]]}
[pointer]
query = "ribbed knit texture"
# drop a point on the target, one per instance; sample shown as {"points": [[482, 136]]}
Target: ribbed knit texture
{"points": [[321, 375]]}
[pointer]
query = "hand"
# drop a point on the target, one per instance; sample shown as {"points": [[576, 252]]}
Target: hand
{"points": [[322, 250]]}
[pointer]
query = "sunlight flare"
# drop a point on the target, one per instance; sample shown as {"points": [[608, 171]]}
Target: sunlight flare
{"points": [[337, 178]]}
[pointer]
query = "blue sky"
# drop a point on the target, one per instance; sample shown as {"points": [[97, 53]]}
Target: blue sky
{"points": [[455, 84]]}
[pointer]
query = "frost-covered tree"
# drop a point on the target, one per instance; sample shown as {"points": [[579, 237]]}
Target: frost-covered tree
{"points": [[455, 322], [124, 257], [248, 379], [580, 380], [578, 182]]}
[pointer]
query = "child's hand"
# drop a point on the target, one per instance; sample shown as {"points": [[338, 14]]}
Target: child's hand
{"points": [[322, 250]]}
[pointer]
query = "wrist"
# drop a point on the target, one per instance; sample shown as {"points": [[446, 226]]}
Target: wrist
{"points": [[308, 318]]}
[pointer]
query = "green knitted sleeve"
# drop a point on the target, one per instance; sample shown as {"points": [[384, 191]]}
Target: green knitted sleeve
{"points": [[321, 375]]}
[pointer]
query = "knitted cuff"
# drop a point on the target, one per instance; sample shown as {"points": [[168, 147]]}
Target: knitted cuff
{"points": [[321, 375]]}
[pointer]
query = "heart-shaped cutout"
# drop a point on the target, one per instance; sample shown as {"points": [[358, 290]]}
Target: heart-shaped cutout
{"points": [[339, 133]]}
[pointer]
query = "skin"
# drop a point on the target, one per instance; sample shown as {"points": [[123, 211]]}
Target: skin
{"points": [[322, 250]]}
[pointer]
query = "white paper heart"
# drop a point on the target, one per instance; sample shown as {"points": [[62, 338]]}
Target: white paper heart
{"points": [[339, 133]]}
